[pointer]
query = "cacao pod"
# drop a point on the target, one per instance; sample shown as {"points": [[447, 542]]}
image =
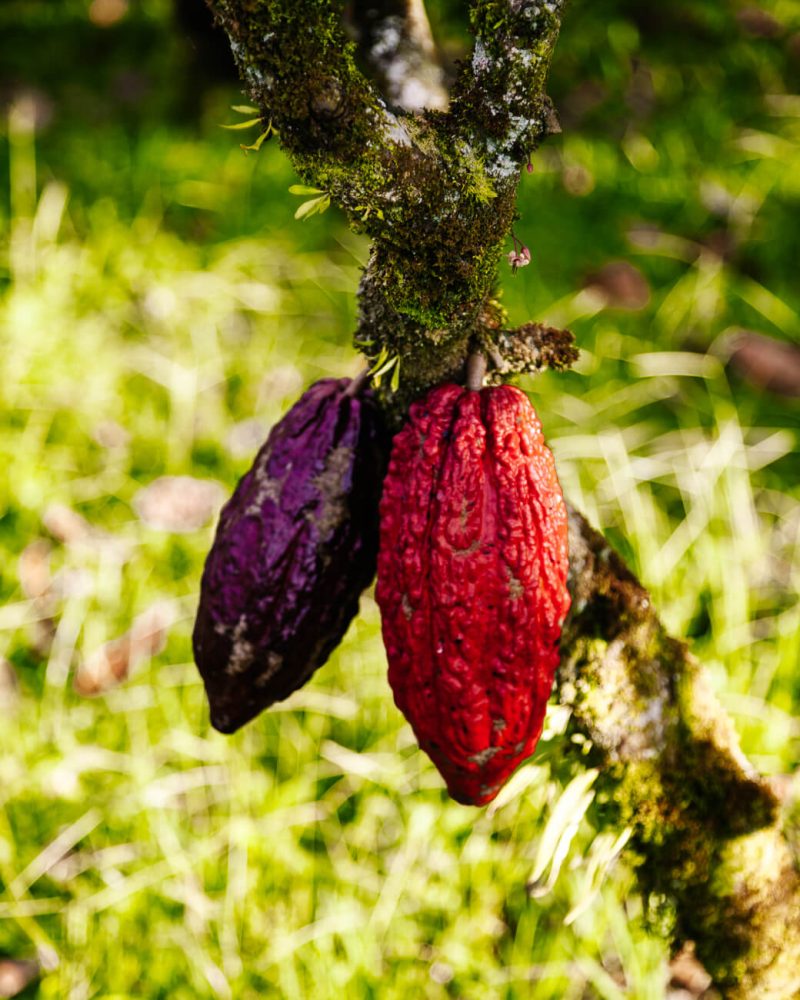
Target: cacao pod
{"points": [[295, 546], [472, 571]]}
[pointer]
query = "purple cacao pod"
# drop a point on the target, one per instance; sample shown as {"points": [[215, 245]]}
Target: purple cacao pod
{"points": [[295, 546]]}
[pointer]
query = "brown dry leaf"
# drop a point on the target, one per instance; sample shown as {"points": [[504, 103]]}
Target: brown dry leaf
{"points": [[621, 285], [65, 524], [39, 586], [9, 687], [280, 382], [16, 974], [179, 503], [35, 578], [245, 438], [687, 975], [114, 662], [765, 362], [758, 22], [109, 434]]}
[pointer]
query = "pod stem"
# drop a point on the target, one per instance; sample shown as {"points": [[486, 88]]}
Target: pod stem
{"points": [[358, 383], [476, 370]]}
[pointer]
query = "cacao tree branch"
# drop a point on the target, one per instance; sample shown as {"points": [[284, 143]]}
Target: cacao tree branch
{"points": [[299, 67], [395, 41], [499, 98], [531, 348], [706, 827], [436, 191], [427, 293]]}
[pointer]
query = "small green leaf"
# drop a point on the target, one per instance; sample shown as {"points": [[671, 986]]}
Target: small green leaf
{"points": [[244, 109], [242, 125], [258, 143], [378, 361], [304, 189], [313, 207], [395, 383], [384, 368], [367, 210]]}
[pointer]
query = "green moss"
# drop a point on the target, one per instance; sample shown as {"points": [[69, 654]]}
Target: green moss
{"points": [[706, 833]]}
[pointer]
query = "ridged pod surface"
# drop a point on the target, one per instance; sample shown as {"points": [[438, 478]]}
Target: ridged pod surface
{"points": [[295, 546], [472, 573]]}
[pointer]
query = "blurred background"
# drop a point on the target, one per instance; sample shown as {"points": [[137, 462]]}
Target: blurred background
{"points": [[160, 308]]}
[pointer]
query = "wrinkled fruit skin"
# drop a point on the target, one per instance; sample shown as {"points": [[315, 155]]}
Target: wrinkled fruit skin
{"points": [[295, 546], [472, 573]]}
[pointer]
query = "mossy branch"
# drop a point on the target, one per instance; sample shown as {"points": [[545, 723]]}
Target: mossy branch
{"points": [[435, 190], [707, 833], [299, 68], [501, 90]]}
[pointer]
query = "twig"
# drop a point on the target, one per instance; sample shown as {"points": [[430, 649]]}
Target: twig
{"points": [[476, 370]]}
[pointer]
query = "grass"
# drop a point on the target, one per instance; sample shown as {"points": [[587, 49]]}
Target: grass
{"points": [[160, 309]]}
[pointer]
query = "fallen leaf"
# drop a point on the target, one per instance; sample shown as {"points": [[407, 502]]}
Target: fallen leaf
{"points": [[687, 974], [621, 285], [179, 503], [758, 22], [65, 524], [9, 687], [245, 438], [114, 661], [16, 974], [770, 364]]}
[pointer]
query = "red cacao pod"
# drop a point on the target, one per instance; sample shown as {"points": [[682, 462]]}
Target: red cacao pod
{"points": [[472, 571], [295, 546]]}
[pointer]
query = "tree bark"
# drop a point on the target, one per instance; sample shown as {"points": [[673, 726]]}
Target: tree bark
{"points": [[706, 827], [436, 192]]}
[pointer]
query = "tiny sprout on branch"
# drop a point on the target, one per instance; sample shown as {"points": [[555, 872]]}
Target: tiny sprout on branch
{"points": [[247, 109], [314, 206]]}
